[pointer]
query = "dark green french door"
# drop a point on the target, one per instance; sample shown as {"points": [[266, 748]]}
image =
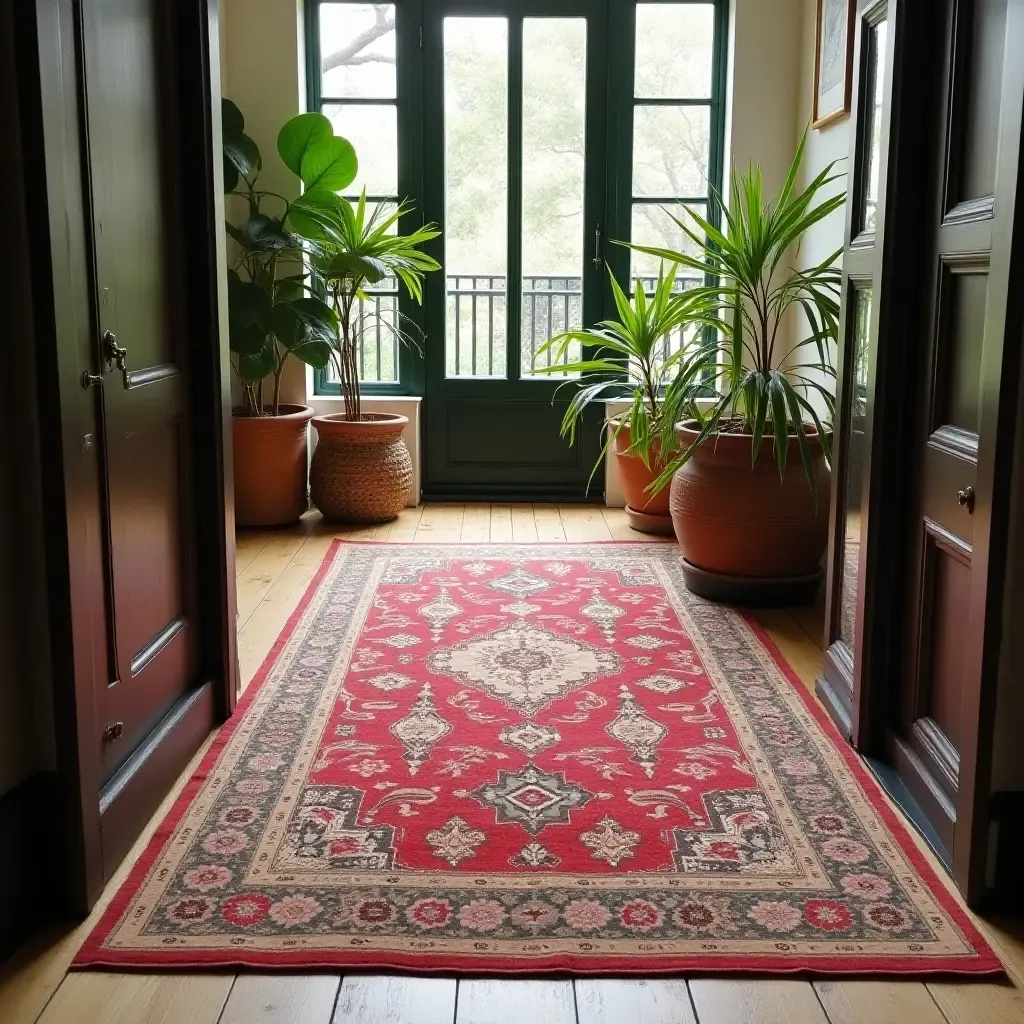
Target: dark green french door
{"points": [[515, 165]]}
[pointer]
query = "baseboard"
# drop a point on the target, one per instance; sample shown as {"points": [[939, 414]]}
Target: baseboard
{"points": [[30, 874]]}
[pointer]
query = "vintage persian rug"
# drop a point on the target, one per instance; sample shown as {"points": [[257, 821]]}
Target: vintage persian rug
{"points": [[522, 758]]}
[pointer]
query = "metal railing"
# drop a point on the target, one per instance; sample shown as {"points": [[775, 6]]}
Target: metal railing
{"points": [[475, 325]]}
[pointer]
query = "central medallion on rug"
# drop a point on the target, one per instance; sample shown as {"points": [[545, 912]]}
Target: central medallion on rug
{"points": [[515, 758]]}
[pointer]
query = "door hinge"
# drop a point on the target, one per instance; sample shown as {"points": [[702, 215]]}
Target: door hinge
{"points": [[111, 732], [421, 37]]}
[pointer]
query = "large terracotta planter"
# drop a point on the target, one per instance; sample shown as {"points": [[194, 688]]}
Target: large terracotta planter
{"points": [[746, 535], [361, 470], [646, 512], [270, 458]]}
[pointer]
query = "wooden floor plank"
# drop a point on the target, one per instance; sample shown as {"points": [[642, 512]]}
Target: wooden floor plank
{"points": [[486, 1001], [548, 523], [391, 999], [440, 522], [99, 998], [618, 525], [476, 523], [583, 523], [404, 527], [524, 525], [501, 524], [743, 1001], [978, 1002], [616, 1001], [281, 999], [793, 643], [248, 544], [259, 576], [881, 1002], [258, 634]]}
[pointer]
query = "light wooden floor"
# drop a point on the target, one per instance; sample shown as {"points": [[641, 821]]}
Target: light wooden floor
{"points": [[274, 567]]}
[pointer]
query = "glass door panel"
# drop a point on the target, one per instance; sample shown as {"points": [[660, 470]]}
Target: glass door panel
{"points": [[553, 166], [514, 171], [476, 195]]}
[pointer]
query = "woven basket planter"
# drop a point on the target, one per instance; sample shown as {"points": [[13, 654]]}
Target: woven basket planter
{"points": [[361, 470]]}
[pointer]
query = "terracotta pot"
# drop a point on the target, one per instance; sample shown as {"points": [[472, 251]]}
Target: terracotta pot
{"points": [[270, 457], [741, 522], [646, 512], [361, 470]]}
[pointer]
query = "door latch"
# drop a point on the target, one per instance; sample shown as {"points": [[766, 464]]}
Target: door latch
{"points": [[118, 355], [111, 732], [965, 499], [598, 258]]}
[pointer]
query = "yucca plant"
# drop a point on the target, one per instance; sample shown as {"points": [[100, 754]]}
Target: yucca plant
{"points": [[630, 361], [757, 387], [362, 249]]}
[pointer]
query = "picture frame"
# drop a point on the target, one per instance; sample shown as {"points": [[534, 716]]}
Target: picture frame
{"points": [[833, 61]]}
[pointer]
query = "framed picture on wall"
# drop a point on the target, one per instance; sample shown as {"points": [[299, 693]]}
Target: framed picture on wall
{"points": [[833, 61]]}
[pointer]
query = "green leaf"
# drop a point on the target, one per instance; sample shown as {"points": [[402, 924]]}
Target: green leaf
{"points": [[330, 164], [300, 134], [231, 120], [248, 316], [253, 367], [243, 153], [354, 267], [230, 175], [286, 325], [266, 233], [780, 421], [318, 317]]}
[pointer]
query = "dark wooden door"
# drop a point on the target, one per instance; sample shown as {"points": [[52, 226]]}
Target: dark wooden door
{"points": [[938, 730], [142, 383]]}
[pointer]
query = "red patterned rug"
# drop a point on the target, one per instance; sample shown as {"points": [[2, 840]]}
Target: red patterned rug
{"points": [[519, 758]]}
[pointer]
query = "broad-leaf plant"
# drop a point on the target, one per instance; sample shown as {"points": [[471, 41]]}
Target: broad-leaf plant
{"points": [[273, 310]]}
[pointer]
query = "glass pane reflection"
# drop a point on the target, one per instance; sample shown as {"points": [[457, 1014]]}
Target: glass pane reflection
{"points": [[873, 134], [853, 464]]}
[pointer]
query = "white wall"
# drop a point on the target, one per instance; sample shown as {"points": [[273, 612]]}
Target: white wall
{"points": [[263, 71], [824, 145]]}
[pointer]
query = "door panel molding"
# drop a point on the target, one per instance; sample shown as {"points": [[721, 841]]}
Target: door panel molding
{"points": [[72, 419]]}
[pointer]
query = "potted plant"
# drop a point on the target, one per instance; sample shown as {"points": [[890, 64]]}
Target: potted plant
{"points": [[630, 361], [361, 470], [750, 477], [272, 313]]}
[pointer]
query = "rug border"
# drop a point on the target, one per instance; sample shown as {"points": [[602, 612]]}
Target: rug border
{"points": [[92, 954]]}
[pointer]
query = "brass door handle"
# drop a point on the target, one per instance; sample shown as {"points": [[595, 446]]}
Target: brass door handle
{"points": [[965, 499], [117, 354]]}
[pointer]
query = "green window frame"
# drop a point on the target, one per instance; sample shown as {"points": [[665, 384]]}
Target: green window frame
{"points": [[406, 104], [621, 199]]}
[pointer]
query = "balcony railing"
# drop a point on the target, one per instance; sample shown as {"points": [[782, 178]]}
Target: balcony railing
{"points": [[475, 342]]}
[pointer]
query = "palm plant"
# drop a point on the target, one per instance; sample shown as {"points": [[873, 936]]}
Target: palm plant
{"points": [[362, 249], [756, 386], [629, 360]]}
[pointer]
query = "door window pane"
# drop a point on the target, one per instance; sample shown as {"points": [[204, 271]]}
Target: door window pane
{"points": [[476, 194], [674, 50], [554, 64], [671, 150], [854, 463], [357, 50], [873, 135], [653, 225], [373, 130]]}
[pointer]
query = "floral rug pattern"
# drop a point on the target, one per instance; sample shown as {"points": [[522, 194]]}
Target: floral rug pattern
{"points": [[530, 757]]}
